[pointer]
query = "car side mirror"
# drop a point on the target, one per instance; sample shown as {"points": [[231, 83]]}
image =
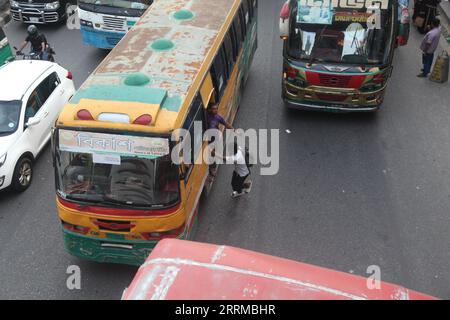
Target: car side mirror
{"points": [[33, 121]]}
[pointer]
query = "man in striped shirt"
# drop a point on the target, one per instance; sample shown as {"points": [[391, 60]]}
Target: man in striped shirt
{"points": [[429, 45]]}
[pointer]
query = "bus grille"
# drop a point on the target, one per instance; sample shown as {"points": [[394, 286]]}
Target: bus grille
{"points": [[119, 226], [331, 97], [114, 24], [332, 80]]}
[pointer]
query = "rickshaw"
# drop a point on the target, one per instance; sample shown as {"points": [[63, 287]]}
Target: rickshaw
{"points": [[6, 53]]}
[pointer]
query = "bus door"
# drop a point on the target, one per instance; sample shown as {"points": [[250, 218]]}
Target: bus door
{"points": [[195, 171]]}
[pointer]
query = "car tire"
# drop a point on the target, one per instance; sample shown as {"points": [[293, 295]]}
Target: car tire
{"points": [[23, 174]]}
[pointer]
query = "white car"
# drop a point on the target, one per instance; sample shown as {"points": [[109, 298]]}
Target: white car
{"points": [[32, 94]]}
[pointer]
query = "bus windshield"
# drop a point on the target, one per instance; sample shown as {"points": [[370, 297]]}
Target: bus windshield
{"points": [[113, 178], [340, 35], [126, 4]]}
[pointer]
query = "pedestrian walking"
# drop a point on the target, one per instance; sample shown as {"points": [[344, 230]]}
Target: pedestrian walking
{"points": [[429, 45], [240, 181]]}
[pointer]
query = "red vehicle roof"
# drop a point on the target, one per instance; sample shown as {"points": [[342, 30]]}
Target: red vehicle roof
{"points": [[185, 270]]}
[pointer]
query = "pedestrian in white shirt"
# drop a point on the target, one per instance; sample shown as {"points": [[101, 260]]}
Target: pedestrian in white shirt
{"points": [[241, 171]]}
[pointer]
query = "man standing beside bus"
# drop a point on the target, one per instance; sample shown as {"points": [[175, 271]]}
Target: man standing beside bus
{"points": [[429, 46]]}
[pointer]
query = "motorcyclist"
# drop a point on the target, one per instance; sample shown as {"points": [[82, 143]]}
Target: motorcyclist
{"points": [[38, 43]]}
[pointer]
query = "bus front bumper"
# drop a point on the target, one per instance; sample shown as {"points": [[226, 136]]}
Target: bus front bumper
{"points": [[330, 99], [100, 39], [107, 250], [111, 250]]}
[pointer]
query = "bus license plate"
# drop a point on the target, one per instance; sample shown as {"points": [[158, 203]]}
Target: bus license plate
{"points": [[35, 20]]}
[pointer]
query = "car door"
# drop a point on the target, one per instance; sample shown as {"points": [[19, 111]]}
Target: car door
{"points": [[32, 134]]}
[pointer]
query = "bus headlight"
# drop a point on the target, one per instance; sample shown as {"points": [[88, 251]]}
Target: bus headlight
{"points": [[52, 5], [86, 23], [3, 159]]}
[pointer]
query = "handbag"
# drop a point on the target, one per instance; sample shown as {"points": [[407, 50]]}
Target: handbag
{"points": [[418, 22]]}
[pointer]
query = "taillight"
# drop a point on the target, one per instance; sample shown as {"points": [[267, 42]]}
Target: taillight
{"points": [[84, 114], [144, 119], [75, 228], [163, 234], [69, 75]]}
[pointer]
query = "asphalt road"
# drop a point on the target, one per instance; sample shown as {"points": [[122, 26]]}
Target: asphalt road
{"points": [[352, 190]]}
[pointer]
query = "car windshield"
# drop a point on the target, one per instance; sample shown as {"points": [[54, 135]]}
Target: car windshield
{"points": [[126, 4], [9, 116], [340, 35], [116, 168]]}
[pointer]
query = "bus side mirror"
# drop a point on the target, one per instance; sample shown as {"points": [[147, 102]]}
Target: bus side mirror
{"points": [[403, 31], [284, 21]]}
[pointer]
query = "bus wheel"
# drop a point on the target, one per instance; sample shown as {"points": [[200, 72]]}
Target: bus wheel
{"points": [[23, 174]]}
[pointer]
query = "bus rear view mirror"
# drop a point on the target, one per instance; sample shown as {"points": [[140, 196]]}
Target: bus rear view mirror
{"points": [[284, 21]]}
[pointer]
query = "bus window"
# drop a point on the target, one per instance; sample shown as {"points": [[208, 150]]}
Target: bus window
{"points": [[219, 73], [250, 8], [235, 41], [197, 113], [229, 53], [238, 28], [241, 16], [246, 10]]}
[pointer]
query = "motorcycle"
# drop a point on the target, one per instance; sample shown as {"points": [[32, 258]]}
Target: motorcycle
{"points": [[36, 56]]}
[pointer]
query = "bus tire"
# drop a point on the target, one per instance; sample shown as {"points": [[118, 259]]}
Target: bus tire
{"points": [[23, 174]]}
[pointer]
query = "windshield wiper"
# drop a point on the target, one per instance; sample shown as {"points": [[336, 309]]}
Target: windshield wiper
{"points": [[125, 203], [103, 200], [313, 57]]}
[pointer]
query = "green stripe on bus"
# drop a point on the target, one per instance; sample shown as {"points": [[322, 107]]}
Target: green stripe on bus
{"points": [[122, 93]]}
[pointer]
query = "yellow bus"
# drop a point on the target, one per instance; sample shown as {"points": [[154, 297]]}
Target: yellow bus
{"points": [[117, 190]]}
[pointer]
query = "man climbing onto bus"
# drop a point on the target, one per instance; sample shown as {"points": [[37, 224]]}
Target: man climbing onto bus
{"points": [[214, 119]]}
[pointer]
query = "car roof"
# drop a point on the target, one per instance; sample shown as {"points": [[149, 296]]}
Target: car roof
{"points": [[17, 76]]}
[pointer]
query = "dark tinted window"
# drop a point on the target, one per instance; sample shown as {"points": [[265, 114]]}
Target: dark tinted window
{"points": [[238, 28], [241, 17], [250, 7], [47, 86], [33, 105], [246, 11], [229, 53], [197, 113], [235, 41], [219, 73]]}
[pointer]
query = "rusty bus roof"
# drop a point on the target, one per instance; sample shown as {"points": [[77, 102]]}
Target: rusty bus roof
{"points": [[153, 68]]}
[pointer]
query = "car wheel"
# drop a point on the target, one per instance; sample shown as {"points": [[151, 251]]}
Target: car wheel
{"points": [[23, 174]]}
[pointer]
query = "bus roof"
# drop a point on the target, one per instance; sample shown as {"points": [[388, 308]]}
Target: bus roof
{"points": [[179, 269], [153, 68]]}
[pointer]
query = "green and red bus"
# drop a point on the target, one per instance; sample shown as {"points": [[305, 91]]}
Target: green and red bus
{"points": [[338, 54]]}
